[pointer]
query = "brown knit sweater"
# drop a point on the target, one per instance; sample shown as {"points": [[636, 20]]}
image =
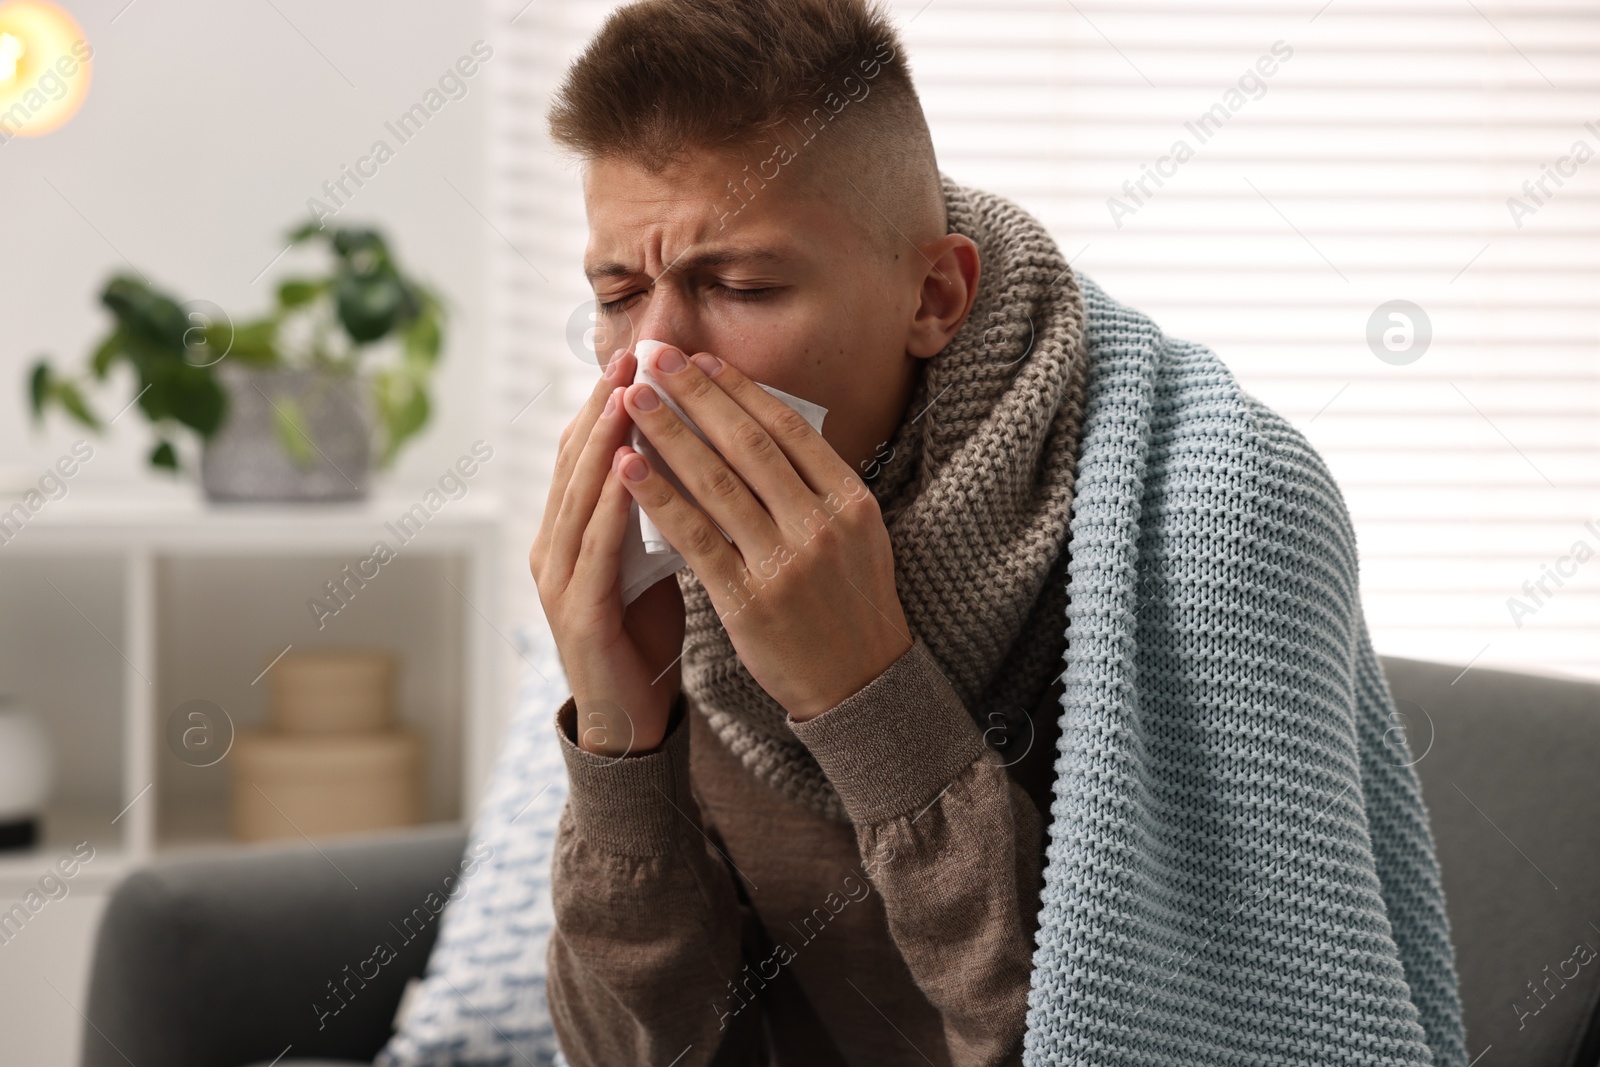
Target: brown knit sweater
{"points": [[704, 918]]}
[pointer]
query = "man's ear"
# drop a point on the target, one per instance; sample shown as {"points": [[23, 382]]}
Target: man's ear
{"points": [[949, 289]]}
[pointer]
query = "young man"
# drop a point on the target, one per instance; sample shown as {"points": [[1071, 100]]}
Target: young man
{"points": [[810, 775]]}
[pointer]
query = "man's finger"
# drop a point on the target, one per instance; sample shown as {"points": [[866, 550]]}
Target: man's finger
{"points": [[686, 527], [576, 435], [599, 564], [589, 474]]}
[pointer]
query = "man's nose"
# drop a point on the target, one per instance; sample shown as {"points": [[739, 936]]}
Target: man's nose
{"points": [[667, 317]]}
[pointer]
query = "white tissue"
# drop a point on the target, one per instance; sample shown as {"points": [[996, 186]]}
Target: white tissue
{"points": [[647, 556]]}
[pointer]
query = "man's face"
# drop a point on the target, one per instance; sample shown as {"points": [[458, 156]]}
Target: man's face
{"points": [[789, 289]]}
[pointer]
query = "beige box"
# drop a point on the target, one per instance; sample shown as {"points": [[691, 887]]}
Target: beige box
{"points": [[330, 691], [286, 786]]}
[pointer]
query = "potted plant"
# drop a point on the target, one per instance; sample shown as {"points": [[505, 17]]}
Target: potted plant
{"points": [[289, 406]]}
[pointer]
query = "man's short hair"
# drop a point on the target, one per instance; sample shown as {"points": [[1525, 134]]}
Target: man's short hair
{"points": [[814, 94]]}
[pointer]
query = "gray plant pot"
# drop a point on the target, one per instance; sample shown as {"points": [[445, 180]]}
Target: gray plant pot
{"points": [[246, 461]]}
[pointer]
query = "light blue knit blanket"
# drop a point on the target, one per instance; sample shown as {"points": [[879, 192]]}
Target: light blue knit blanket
{"points": [[1240, 869]]}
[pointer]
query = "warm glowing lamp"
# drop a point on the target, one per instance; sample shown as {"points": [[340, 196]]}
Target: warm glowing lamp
{"points": [[46, 65]]}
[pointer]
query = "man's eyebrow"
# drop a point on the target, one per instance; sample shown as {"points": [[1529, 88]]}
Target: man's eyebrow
{"points": [[711, 257]]}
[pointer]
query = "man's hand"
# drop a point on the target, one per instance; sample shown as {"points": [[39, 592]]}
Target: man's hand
{"points": [[623, 665], [806, 589]]}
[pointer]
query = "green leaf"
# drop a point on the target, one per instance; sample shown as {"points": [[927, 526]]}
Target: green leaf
{"points": [[403, 410], [423, 338], [299, 291], [255, 342], [293, 433], [364, 250], [206, 405], [66, 394], [185, 393], [369, 307], [105, 355], [44, 389], [164, 455], [305, 232], [147, 314], [39, 388]]}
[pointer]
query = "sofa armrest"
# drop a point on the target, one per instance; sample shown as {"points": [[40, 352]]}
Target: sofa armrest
{"points": [[227, 957], [1507, 766]]}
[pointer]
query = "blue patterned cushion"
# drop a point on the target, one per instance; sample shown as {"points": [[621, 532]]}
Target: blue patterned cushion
{"points": [[482, 1001]]}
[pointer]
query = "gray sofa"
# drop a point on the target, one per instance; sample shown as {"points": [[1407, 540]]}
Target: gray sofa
{"points": [[219, 962]]}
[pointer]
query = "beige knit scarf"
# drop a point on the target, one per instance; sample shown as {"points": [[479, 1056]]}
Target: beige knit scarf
{"points": [[976, 489]]}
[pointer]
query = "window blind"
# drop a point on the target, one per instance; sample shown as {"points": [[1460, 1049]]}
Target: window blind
{"points": [[1383, 217]]}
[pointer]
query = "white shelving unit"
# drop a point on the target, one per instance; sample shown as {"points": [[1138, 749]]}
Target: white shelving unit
{"points": [[117, 609]]}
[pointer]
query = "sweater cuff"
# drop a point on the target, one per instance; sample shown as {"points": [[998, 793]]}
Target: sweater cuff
{"points": [[628, 805], [893, 746]]}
